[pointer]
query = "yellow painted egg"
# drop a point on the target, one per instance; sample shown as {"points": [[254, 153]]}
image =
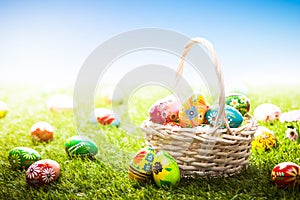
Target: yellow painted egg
{"points": [[165, 170], [3, 109], [192, 111], [140, 168], [264, 139]]}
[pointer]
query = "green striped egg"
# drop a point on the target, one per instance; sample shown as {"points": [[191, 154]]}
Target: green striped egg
{"points": [[23, 157], [80, 146]]}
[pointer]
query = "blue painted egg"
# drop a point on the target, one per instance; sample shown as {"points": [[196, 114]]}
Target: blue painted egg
{"points": [[234, 117]]}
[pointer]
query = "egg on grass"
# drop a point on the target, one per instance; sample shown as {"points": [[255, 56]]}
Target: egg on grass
{"points": [[79, 146], [165, 170], [286, 174], [3, 109], [22, 157], [140, 167], [42, 132], [267, 112], [264, 139], [42, 172]]}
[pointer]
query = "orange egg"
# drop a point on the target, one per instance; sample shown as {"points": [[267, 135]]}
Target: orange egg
{"points": [[42, 132]]}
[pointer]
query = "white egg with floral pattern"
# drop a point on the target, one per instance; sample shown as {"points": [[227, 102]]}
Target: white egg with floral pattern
{"points": [[42, 172]]}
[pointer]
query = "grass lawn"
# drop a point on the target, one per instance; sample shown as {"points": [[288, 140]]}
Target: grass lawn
{"points": [[106, 177]]}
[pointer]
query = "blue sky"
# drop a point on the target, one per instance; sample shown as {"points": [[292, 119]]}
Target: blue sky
{"points": [[44, 40]]}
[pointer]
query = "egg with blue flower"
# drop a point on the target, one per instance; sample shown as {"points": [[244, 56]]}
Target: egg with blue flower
{"points": [[140, 168], [233, 116], [192, 111], [165, 170]]}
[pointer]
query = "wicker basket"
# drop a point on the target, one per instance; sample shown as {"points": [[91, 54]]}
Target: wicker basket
{"points": [[204, 150]]}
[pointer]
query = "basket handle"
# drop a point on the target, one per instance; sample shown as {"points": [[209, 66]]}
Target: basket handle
{"points": [[209, 47]]}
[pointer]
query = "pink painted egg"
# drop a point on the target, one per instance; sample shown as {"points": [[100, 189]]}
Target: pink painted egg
{"points": [[290, 116], [42, 132], [267, 112], [164, 110], [42, 172], [286, 174]]}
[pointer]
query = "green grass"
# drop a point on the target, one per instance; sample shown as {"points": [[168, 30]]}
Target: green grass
{"points": [[106, 177]]}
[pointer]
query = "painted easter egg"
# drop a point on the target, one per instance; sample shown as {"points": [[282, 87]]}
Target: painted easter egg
{"points": [[286, 174], [60, 103], [42, 132], [23, 157], [3, 109], [80, 146], [165, 170], [140, 168], [267, 112], [234, 117], [192, 111], [42, 172], [261, 130], [290, 116], [264, 139], [104, 116], [291, 133], [239, 102], [164, 110]]}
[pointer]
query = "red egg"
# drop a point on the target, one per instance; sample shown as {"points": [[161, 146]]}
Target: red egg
{"points": [[286, 174], [106, 116], [42, 172]]}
